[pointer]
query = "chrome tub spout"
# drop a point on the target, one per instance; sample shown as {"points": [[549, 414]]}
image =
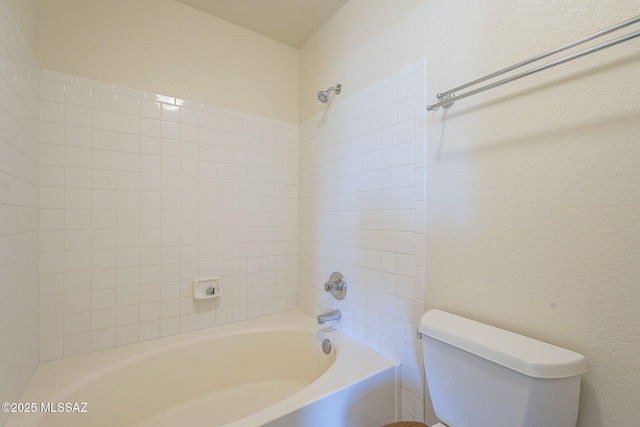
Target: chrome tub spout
{"points": [[330, 315]]}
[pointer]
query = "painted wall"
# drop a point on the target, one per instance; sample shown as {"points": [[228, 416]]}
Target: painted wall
{"points": [[142, 193], [166, 47], [532, 189], [19, 153], [25, 14]]}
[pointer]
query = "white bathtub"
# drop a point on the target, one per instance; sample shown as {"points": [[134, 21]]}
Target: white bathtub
{"points": [[269, 371]]}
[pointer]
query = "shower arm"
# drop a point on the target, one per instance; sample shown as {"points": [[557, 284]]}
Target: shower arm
{"points": [[337, 88]]}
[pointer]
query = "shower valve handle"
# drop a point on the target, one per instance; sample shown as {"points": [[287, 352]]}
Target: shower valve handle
{"points": [[336, 285]]}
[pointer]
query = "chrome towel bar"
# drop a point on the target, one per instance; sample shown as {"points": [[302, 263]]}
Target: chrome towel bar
{"points": [[447, 98]]}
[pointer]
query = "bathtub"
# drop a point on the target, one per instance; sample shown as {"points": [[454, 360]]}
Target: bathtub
{"points": [[269, 371]]}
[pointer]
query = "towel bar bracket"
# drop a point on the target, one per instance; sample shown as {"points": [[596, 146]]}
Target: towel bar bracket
{"points": [[443, 97]]}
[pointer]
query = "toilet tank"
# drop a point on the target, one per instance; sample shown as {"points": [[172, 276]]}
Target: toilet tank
{"points": [[479, 375]]}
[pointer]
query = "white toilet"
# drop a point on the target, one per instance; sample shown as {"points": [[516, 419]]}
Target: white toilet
{"points": [[482, 376]]}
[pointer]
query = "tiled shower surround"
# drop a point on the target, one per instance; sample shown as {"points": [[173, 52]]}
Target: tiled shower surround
{"points": [[142, 193], [361, 210], [116, 199], [19, 153]]}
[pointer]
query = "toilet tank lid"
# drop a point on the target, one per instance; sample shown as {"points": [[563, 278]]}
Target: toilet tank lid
{"points": [[519, 353]]}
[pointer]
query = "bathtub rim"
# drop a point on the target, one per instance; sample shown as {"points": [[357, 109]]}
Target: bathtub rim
{"points": [[84, 368]]}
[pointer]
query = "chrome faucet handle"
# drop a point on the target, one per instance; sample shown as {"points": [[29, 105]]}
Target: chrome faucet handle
{"points": [[336, 285]]}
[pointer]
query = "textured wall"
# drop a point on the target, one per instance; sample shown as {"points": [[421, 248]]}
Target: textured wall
{"points": [[25, 14], [533, 189], [19, 153], [163, 46]]}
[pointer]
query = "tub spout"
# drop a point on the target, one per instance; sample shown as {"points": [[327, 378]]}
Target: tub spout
{"points": [[329, 315]]}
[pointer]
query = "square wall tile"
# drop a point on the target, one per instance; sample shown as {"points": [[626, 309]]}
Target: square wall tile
{"points": [[144, 193]]}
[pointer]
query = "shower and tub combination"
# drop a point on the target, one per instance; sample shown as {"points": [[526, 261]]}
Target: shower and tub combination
{"points": [[278, 371]]}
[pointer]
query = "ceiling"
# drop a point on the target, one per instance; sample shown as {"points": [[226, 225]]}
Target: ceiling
{"points": [[291, 22]]}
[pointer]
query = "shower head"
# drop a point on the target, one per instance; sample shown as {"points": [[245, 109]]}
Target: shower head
{"points": [[323, 95]]}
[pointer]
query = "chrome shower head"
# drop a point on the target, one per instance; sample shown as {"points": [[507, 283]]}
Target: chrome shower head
{"points": [[323, 95]]}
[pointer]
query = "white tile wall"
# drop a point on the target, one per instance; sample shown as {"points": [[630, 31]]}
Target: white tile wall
{"points": [[140, 194], [361, 212], [19, 135]]}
